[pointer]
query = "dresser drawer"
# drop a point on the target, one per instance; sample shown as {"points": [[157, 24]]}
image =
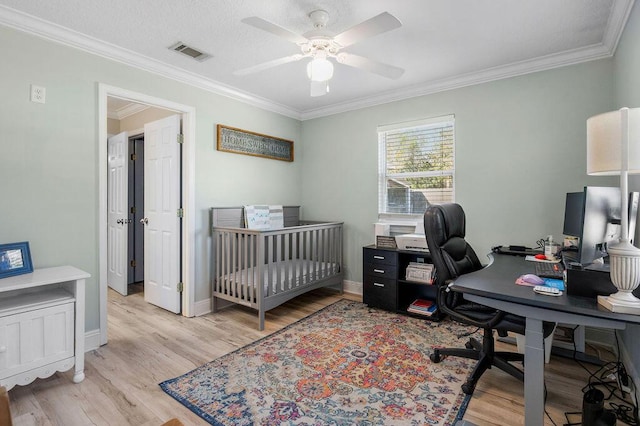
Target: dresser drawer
{"points": [[380, 257], [380, 271], [380, 293]]}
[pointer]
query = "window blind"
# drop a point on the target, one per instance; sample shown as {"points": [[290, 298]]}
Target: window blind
{"points": [[416, 165]]}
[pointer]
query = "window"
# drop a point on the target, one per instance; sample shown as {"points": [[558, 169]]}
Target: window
{"points": [[416, 165]]}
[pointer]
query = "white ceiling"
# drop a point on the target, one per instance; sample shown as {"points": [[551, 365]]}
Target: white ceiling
{"points": [[442, 44]]}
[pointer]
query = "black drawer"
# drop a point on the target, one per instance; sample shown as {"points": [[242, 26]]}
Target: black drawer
{"points": [[380, 270], [380, 257], [380, 293]]}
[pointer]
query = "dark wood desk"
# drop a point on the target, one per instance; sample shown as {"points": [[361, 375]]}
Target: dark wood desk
{"points": [[495, 286]]}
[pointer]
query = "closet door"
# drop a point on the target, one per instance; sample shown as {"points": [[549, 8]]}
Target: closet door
{"points": [[117, 212], [162, 221]]}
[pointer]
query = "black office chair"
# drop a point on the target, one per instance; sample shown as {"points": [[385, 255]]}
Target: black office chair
{"points": [[452, 256]]}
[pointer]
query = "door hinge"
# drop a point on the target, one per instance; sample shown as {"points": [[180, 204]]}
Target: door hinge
{"points": [[179, 287], [133, 263], [134, 157], [180, 212], [180, 138], [133, 209]]}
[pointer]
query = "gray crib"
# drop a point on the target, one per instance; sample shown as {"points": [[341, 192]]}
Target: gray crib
{"points": [[263, 269]]}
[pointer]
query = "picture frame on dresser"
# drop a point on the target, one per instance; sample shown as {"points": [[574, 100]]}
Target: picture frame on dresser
{"points": [[15, 259]]}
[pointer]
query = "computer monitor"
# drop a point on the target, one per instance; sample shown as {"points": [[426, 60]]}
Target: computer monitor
{"points": [[594, 216]]}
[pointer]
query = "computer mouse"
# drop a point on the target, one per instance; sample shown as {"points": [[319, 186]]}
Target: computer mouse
{"points": [[532, 279], [540, 257]]}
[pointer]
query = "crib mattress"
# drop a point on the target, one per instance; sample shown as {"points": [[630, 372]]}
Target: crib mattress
{"points": [[286, 273]]}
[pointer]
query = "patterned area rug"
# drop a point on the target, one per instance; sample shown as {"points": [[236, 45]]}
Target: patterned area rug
{"points": [[346, 364]]}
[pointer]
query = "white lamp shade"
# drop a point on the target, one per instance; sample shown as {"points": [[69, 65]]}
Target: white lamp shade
{"points": [[604, 143]]}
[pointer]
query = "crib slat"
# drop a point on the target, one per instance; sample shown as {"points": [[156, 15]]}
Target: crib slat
{"points": [[294, 260], [321, 257], [277, 267], [216, 262], [247, 264], [257, 276], [269, 266], [309, 257]]}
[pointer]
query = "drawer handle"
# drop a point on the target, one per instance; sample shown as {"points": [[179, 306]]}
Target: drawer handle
{"points": [[379, 257], [378, 285], [378, 271]]}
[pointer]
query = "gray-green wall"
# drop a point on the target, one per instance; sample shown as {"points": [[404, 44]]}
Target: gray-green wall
{"points": [[520, 146], [49, 154]]}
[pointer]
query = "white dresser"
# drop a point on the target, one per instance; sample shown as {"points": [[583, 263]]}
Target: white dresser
{"points": [[42, 325]]}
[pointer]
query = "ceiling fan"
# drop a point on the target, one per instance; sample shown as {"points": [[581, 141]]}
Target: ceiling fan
{"points": [[319, 45]]}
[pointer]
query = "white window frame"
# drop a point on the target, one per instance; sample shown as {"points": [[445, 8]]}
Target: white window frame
{"points": [[407, 219]]}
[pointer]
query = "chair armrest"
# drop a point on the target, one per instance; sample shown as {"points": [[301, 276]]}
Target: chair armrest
{"points": [[443, 291]]}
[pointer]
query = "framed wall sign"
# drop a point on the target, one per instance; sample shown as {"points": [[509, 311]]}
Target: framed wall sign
{"points": [[231, 139], [15, 259]]}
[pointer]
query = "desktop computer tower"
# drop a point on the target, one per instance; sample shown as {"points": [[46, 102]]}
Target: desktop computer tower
{"points": [[591, 283]]}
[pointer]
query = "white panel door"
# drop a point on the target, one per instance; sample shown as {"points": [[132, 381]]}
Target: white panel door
{"points": [[117, 215], [161, 204]]}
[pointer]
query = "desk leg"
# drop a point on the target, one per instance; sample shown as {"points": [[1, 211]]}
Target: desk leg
{"points": [[534, 373], [79, 348]]}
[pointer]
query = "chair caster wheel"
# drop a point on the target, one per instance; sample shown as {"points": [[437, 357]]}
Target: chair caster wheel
{"points": [[468, 388], [435, 357]]}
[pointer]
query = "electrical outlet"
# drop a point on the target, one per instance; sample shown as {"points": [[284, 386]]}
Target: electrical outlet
{"points": [[38, 94]]}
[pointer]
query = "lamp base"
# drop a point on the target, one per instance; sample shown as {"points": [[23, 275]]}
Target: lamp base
{"points": [[614, 304], [625, 274]]}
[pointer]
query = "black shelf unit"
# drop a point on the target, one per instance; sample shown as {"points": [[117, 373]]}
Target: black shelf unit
{"points": [[385, 285]]}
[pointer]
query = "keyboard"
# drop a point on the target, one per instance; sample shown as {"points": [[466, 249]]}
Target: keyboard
{"points": [[549, 270]]}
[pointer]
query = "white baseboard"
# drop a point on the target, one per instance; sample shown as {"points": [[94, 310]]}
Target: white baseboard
{"points": [[203, 307], [92, 340], [353, 287], [632, 371], [601, 336]]}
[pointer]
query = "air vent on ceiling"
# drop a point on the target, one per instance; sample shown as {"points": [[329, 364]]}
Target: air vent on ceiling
{"points": [[190, 51]]}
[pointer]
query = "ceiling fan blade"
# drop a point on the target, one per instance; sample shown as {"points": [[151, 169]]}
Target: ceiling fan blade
{"points": [[268, 64], [267, 26], [366, 64], [369, 28], [319, 88]]}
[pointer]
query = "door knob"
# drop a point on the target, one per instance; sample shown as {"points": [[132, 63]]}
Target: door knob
{"points": [[120, 221], [144, 221]]}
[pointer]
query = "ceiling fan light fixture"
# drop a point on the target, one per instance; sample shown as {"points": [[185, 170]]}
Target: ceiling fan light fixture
{"points": [[320, 69]]}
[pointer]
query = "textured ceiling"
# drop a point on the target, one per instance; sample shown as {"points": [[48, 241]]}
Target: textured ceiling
{"points": [[441, 44]]}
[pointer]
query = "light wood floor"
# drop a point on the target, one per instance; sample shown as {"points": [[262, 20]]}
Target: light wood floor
{"points": [[148, 345]]}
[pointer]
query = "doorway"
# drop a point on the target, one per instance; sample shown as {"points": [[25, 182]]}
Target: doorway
{"points": [[186, 188], [135, 236], [144, 202], [125, 200]]}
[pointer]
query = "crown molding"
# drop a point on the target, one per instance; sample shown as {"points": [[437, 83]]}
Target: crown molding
{"points": [[484, 76], [59, 34], [126, 111], [615, 26], [606, 49]]}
